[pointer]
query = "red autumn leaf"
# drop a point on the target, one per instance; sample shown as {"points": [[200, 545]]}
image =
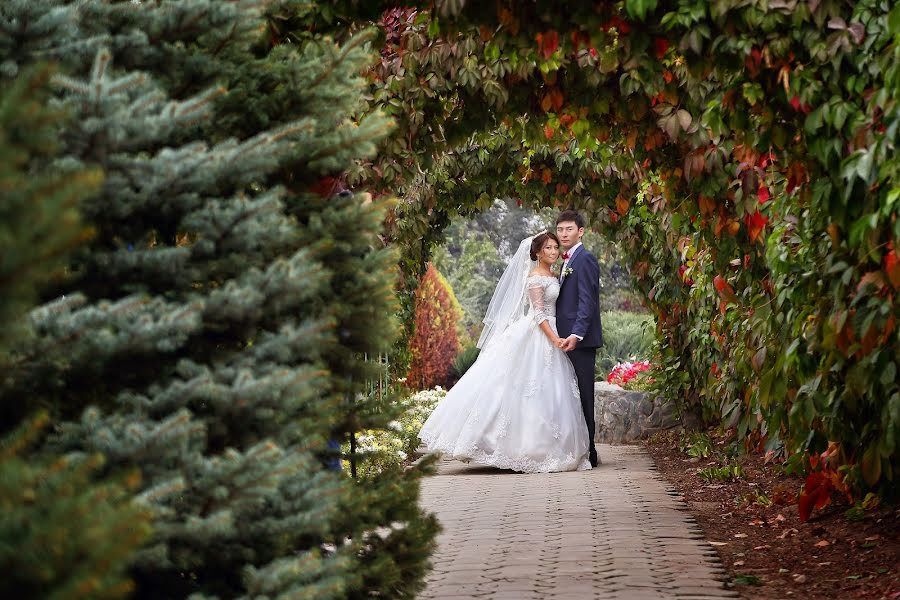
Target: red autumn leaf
{"points": [[755, 225], [667, 76], [548, 42], [579, 39], [754, 61], [816, 495], [660, 45], [326, 187], [546, 175], [795, 102], [548, 132], [892, 268], [726, 292], [622, 205], [621, 26], [762, 194], [593, 52], [888, 329]]}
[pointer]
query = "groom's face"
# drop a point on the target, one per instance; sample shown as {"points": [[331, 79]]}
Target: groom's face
{"points": [[569, 233]]}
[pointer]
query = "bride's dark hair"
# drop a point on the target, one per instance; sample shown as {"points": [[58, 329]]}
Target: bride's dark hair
{"points": [[538, 243]]}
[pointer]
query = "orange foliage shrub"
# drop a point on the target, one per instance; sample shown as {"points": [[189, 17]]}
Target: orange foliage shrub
{"points": [[434, 344]]}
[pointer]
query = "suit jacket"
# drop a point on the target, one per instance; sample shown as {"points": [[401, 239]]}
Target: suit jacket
{"points": [[578, 305]]}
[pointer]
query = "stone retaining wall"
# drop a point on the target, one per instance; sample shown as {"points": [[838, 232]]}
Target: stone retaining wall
{"points": [[622, 416]]}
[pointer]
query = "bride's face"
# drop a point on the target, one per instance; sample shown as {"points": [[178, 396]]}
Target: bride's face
{"points": [[550, 252]]}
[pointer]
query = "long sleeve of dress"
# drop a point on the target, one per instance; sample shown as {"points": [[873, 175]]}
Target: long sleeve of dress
{"points": [[536, 296]]}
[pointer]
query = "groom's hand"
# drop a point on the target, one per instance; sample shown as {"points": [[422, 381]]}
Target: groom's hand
{"points": [[569, 343]]}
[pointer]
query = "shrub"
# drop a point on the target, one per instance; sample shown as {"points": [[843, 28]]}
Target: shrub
{"points": [[435, 343], [391, 447], [626, 337], [464, 360]]}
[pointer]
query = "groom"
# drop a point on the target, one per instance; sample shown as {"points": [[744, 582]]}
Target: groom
{"points": [[578, 312]]}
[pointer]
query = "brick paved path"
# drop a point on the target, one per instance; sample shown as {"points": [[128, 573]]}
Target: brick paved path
{"points": [[613, 532]]}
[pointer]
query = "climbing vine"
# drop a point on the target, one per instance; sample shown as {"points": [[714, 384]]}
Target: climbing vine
{"points": [[743, 153]]}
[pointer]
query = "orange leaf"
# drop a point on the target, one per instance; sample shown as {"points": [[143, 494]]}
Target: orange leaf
{"points": [[546, 175], [622, 205], [834, 234], [546, 103], [556, 99]]}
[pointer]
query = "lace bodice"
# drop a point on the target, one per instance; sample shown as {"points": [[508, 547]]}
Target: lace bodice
{"points": [[542, 294]]}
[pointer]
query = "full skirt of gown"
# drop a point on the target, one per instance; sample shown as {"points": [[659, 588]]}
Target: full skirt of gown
{"points": [[517, 407]]}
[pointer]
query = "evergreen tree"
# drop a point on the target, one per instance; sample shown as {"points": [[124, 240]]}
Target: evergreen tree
{"points": [[39, 222], [435, 343], [215, 330], [62, 535]]}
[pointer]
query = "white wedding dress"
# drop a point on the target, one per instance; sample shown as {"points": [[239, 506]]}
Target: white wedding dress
{"points": [[517, 407]]}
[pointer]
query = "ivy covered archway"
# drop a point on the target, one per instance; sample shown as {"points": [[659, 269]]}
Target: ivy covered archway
{"points": [[744, 153]]}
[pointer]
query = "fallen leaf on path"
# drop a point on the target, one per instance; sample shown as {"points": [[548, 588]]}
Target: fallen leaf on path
{"points": [[800, 578], [763, 547], [787, 532], [718, 543], [822, 543], [740, 535]]}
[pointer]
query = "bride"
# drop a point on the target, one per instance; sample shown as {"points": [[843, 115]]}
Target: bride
{"points": [[518, 406]]}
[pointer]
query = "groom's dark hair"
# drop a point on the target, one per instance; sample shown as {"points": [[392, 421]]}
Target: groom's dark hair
{"points": [[570, 215]]}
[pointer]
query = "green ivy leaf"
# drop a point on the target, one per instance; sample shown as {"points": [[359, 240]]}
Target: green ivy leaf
{"points": [[639, 9], [894, 20]]}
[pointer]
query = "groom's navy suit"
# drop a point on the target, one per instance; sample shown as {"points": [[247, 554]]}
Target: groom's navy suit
{"points": [[578, 312]]}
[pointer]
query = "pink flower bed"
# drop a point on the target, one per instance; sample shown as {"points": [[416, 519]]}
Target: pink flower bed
{"points": [[622, 373]]}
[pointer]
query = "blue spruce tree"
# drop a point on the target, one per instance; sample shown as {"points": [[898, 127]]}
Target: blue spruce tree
{"points": [[214, 330]]}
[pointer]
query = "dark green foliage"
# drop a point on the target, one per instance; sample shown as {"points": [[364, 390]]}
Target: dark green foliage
{"points": [[39, 223], [218, 328], [627, 337], [465, 359], [63, 535]]}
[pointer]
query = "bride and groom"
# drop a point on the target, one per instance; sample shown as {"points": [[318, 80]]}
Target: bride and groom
{"points": [[527, 403]]}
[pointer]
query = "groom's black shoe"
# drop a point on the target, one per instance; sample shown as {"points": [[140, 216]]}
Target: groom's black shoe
{"points": [[595, 460]]}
